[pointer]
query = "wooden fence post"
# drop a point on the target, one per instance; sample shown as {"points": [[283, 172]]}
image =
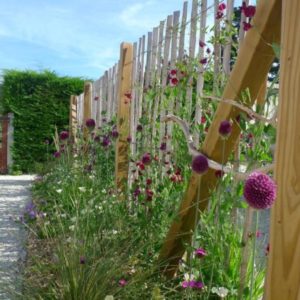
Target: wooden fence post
{"points": [[123, 115], [73, 117], [87, 107], [283, 276], [253, 63]]}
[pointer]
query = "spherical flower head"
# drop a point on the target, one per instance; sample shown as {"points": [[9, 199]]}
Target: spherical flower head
{"points": [[222, 6], [64, 135], [173, 72], [163, 147], [219, 15], [146, 159], [129, 139], [90, 124], [249, 11], [246, 26], [149, 194], [200, 164], [200, 252], [203, 61], [115, 133], [105, 141], [259, 190], [202, 44], [139, 128], [174, 81], [56, 154], [225, 128], [82, 260], [148, 181], [219, 173]]}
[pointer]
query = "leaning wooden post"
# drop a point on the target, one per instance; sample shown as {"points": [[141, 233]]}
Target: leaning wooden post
{"points": [[253, 63], [73, 117], [123, 115], [283, 275], [86, 107]]}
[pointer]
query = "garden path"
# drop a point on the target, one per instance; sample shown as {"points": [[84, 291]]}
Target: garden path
{"points": [[14, 194]]}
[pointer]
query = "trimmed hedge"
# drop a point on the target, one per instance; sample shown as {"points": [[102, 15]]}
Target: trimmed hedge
{"points": [[40, 102]]}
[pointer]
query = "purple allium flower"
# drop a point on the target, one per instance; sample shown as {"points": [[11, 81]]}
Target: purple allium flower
{"points": [[82, 260], [146, 159], [64, 135], [137, 192], [225, 128], [105, 141], [185, 284], [200, 252], [163, 147], [90, 124], [259, 190], [200, 164], [97, 138], [129, 139], [122, 282], [139, 128], [56, 154], [114, 133]]}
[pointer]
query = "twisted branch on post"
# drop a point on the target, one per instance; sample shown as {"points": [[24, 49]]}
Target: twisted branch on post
{"points": [[211, 163]]}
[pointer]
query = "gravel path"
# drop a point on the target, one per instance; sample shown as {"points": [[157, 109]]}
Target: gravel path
{"points": [[14, 194]]}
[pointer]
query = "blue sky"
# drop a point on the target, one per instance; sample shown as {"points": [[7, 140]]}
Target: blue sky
{"points": [[74, 37]]}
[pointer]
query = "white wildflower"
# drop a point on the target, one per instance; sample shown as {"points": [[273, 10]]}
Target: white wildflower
{"points": [[59, 191], [220, 291], [82, 189]]}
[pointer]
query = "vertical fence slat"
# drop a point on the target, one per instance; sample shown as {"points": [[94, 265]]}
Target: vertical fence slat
{"points": [[123, 116], [174, 51], [148, 60], [134, 95], [227, 47], [158, 75], [217, 48], [141, 55], [200, 79], [73, 117], [192, 49], [87, 106], [182, 30], [165, 76]]}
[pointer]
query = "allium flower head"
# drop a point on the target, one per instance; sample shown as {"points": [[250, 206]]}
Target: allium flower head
{"points": [[139, 128], [146, 159], [64, 135], [90, 123], [225, 128], [105, 141], [163, 146], [246, 26], [56, 154], [259, 190], [222, 6], [82, 260], [174, 81], [114, 133], [202, 44], [200, 164]]}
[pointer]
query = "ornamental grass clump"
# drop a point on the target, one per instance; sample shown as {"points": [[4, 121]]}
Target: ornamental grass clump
{"points": [[259, 191]]}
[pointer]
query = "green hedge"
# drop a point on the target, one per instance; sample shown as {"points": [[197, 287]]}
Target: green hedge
{"points": [[39, 101]]}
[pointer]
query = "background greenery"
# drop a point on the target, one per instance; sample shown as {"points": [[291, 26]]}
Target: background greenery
{"points": [[40, 102]]}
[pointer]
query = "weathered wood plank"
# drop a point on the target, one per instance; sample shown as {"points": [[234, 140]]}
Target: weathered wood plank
{"points": [[87, 106], [200, 79], [165, 75], [123, 117], [283, 276], [253, 63]]}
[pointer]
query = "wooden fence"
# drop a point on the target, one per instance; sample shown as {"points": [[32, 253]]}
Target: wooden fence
{"points": [[120, 94]]}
